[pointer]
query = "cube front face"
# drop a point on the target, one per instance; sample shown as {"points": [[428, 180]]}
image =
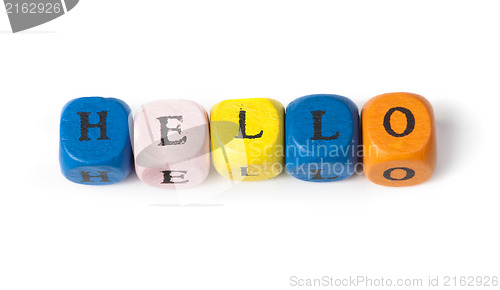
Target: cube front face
{"points": [[94, 141], [171, 144], [322, 136], [399, 139], [248, 138]]}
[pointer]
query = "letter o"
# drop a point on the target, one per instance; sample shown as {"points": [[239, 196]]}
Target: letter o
{"points": [[410, 121], [410, 173]]}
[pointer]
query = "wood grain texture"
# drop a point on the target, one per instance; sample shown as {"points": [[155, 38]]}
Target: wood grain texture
{"points": [[94, 141], [399, 139], [322, 136], [171, 144], [248, 138]]}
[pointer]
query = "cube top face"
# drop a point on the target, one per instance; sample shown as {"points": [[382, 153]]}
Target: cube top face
{"points": [[171, 144], [248, 138], [95, 141], [399, 139], [322, 136]]}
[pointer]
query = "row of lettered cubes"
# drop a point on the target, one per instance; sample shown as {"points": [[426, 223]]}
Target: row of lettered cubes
{"points": [[318, 139]]}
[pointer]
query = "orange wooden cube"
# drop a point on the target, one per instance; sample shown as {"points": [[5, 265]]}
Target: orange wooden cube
{"points": [[399, 139]]}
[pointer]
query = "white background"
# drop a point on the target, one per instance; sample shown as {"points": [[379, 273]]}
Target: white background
{"points": [[55, 234]]}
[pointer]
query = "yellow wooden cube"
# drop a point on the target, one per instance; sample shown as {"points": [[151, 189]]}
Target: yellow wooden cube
{"points": [[248, 138]]}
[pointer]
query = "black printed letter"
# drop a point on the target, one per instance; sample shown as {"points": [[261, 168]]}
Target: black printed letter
{"points": [[164, 131], [102, 174], [243, 131], [410, 121], [85, 125], [318, 135], [410, 173], [167, 176], [244, 172], [317, 174]]}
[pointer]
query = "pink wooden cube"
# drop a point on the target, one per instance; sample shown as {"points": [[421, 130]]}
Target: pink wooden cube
{"points": [[171, 144]]}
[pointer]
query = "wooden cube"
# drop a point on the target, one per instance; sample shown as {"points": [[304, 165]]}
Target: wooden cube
{"points": [[171, 144], [248, 138], [322, 136], [399, 139], [94, 141]]}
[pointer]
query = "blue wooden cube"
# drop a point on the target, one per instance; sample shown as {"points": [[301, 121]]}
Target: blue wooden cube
{"points": [[322, 138], [95, 141]]}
